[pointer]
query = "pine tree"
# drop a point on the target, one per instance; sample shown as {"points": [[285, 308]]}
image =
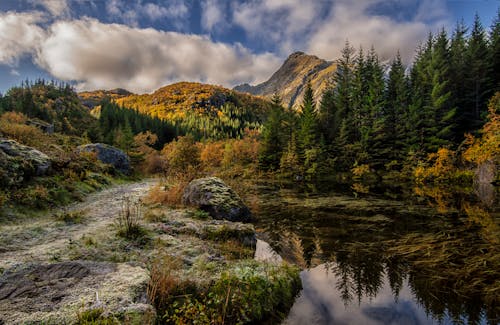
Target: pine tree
{"points": [[457, 69], [373, 143], [396, 110], [478, 87], [273, 136], [343, 101], [307, 134], [441, 100], [495, 52]]}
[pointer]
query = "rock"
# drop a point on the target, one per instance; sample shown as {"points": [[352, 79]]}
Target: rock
{"points": [[19, 162], [57, 293], [109, 155], [213, 196], [485, 172]]}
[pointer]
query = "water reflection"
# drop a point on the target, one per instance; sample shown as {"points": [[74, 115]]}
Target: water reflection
{"points": [[426, 255], [322, 302]]}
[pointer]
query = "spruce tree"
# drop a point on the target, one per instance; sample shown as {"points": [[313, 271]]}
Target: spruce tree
{"points": [[495, 52], [307, 135], [396, 110], [457, 70], [273, 136], [478, 87]]}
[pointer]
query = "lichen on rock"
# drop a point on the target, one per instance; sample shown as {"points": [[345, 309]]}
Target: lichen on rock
{"points": [[109, 155], [18, 163], [212, 195]]}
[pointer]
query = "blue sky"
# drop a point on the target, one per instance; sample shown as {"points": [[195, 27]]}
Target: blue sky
{"points": [[142, 45]]}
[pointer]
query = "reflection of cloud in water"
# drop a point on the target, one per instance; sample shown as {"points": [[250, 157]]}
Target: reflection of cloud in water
{"points": [[320, 302]]}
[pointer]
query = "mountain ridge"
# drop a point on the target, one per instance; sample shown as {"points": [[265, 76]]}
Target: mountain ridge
{"points": [[290, 80]]}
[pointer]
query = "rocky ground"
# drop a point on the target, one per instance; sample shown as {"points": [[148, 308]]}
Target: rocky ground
{"points": [[62, 266]]}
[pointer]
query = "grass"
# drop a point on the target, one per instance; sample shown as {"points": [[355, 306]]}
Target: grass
{"points": [[70, 217], [248, 293], [128, 221]]}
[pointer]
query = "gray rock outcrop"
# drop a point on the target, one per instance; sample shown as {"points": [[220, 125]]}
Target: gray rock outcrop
{"points": [[18, 163], [212, 195], [109, 155]]}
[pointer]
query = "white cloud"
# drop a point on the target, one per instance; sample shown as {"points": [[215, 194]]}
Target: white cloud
{"points": [[130, 12], [213, 14], [57, 8], [322, 27], [101, 55], [284, 21], [19, 35], [352, 21]]}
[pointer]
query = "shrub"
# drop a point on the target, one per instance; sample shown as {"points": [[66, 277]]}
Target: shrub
{"points": [[128, 219], [246, 294], [181, 154]]}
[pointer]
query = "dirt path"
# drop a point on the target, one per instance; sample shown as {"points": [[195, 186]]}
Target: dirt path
{"points": [[39, 240]]}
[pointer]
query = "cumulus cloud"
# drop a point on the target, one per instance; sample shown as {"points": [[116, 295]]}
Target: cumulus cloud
{"points": [[101, 55], [283, 21], [57, 8], [19, 35], [130, 12], [322, 27], [213, 14], [352, 21]]}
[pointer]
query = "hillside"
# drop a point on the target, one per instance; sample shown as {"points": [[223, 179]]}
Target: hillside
{"points": [[174, 101], [94, 98], [290, 79]]}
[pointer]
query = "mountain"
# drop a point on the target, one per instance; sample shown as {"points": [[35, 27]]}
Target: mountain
{"points": [[290, 80], [93, 98], [175, 100]]}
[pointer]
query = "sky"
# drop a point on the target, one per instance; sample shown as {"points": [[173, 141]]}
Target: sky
{"points": [[141, 45]]}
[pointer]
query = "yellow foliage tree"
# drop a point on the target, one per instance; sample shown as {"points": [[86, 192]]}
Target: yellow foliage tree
{"points": [[487, 147]]}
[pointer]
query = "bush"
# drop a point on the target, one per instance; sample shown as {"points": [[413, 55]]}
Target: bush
{"points": [[246, 294], [128, 219]]}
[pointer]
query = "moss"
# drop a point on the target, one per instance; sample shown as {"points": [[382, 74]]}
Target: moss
{"points": [[247, 292]]}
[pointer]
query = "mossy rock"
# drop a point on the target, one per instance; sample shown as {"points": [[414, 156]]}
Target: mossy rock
{"points": [[19, 163], [212, 195], [109, 155]]}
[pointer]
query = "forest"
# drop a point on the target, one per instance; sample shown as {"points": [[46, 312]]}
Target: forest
{"points": [[372, 120]]}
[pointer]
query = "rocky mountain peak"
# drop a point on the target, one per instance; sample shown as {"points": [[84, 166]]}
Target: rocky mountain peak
{"points": [[290, 79]]}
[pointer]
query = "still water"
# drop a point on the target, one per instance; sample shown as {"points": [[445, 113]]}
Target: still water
{"points": [[386, 255]]}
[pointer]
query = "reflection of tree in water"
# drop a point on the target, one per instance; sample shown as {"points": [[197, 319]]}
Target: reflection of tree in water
{"points": [[359, 272], [451, 258]]}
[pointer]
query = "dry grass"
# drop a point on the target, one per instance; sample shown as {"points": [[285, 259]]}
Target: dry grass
{"points": [[163, 283]]}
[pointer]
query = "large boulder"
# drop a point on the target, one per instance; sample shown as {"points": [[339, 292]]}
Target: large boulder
{"points": [[19, 163], [219, 200], [109, 155]]}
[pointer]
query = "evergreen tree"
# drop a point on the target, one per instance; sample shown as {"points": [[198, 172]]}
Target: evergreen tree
{"points": [[396, 110], [343, 101], [274, 136], [478, 87], [495, 52], [440, 96], [457, 69], [307, 135], [373, 144]]}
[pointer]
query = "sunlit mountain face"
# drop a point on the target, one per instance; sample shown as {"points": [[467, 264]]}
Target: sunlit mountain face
{"points": [[141, 45]]}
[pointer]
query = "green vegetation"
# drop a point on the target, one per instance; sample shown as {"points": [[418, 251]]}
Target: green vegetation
{"points": [[369, 124], [245, 293]]}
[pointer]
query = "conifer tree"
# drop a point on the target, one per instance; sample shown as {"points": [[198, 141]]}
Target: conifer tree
{"points": [[478, 87], [274, 136], [495, 52], [307, 134], [457, 70], [396, 110]]}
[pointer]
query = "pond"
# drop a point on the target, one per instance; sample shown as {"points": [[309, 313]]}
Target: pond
{"points": [[386, 254]]}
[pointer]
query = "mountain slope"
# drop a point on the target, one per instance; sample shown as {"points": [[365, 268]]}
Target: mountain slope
{"points": [[290, 79], [175, 100]]}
